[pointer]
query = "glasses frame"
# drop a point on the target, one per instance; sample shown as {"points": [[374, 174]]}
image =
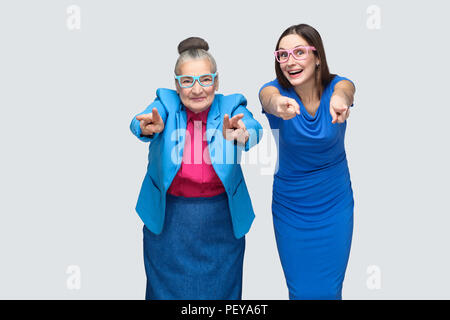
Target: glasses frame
{"points": [[291, 53], [197, 78]]}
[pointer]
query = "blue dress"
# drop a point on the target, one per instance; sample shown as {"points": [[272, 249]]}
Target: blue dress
{"points": [[312, 199]]}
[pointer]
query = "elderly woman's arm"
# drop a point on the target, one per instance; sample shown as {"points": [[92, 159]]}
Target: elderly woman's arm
{"points": [[247, 130], [149, 123]]}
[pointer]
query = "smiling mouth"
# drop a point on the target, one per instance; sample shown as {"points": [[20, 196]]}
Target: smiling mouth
{"points": [[293, 73]]}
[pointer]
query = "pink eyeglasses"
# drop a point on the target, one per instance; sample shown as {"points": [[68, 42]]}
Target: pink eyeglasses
{"points": [[299, 53]]}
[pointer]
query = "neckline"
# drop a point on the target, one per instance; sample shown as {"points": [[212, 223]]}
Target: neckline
{"points": [[303, 110]]}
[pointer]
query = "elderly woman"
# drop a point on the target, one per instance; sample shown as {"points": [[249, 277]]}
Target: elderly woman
{"points": [[194, 201], [312, 203]]}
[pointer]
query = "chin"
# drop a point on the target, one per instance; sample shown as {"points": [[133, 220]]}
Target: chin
{"points": [[199, 107], [296, 82]]}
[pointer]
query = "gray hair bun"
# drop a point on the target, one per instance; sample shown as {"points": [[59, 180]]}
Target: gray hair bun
{"points": [[192, 43]]}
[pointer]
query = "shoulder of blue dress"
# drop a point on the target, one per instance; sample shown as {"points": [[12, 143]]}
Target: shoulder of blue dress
{"points": [[330, 86], [273, 83], [338, 78]]}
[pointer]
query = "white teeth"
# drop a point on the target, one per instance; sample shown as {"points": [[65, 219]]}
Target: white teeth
{"points": [[295, 72]]}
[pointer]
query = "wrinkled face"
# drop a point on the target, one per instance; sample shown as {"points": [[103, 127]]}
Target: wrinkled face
{"points": [[197, 98], [298, 72]]}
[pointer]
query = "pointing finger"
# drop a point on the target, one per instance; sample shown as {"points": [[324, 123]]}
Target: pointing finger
{"points": [[295, 105], [333, 115], [155, 115], [142, 117], [235, 119], [145, 118], [241, 125], [226, 121]]}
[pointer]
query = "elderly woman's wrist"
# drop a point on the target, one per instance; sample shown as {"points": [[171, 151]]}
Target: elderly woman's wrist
{"points": [[147, 135]]}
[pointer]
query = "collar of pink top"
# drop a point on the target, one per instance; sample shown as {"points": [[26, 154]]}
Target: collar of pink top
{"points": [[201, 116]]}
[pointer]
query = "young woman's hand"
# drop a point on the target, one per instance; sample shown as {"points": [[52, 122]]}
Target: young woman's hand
{"points": [[284, 107], [151, 123], [339, 108], [341, 100], [234, 129]]}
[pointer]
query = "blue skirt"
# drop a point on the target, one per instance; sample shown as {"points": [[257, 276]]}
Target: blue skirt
{"points": [[196, 256]]}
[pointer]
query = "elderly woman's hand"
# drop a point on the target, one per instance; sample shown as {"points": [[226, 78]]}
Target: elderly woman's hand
{"points": [[234, 129], [151, 123], [339, 108]]}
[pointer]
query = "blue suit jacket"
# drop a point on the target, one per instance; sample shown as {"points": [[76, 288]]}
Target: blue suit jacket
{"points": [[166, 152]]}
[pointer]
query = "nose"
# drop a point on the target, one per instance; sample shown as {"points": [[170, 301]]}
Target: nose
{"points": [[290, 59], [197, 88]]}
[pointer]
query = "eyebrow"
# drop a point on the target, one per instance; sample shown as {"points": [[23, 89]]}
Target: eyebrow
{"points": [[300, 45]]}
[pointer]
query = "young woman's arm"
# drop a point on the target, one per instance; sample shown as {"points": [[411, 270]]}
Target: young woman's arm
{"points": [[274, 103], [341, 101], [286, 108]]}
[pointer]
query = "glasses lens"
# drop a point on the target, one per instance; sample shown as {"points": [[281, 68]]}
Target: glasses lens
{"points": [[300, 53], [206, 80], [282, 55], [186, 81]]}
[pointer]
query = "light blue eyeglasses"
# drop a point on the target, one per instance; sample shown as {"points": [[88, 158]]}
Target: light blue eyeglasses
{"points": [[205, 80]]}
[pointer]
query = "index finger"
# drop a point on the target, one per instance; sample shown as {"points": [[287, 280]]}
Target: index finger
{"points": [[226, 121], [241, 124], [155, 115], [236, 118], [146, 117], [333, 115]]}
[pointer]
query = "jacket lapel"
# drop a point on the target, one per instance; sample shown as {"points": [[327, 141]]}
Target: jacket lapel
{"points": [[181, 119], [213, 120]]}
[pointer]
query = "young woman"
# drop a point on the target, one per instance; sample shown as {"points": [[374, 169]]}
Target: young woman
{"points": [[312, 202], [194, 201]]}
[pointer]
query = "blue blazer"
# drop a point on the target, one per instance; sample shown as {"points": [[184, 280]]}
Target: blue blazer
{"points": [[166, 152]]}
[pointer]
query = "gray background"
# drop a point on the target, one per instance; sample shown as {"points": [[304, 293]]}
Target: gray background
{"points": [[71, 169]]}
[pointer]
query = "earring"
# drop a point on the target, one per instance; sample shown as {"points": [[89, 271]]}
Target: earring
{"points": [[317, 66]]}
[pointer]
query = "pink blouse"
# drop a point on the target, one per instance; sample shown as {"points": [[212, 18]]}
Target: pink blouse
{"points": [[196, 177]]}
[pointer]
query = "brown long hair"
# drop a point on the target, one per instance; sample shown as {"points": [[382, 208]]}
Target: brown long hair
{"points": [[323, 76]]}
